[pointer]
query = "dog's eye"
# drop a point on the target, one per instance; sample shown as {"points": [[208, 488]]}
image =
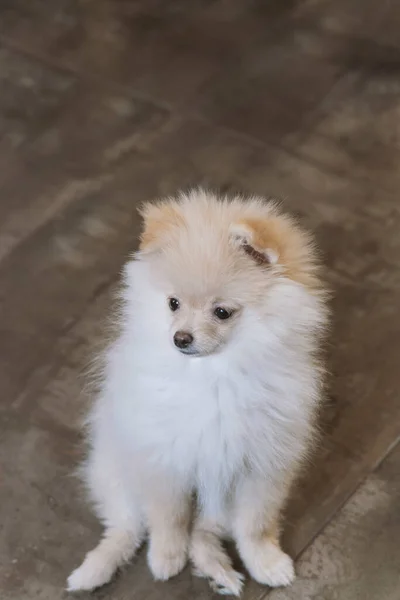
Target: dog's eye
{"points": [[222, 313], [173, 304]]}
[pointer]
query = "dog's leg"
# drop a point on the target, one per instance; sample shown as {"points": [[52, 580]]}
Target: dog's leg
{"points": [[116, 548], [256, 529], [211, 561], [168, 511], [119, 511]]}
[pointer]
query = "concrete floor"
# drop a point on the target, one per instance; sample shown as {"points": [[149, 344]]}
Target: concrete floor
{"points": [[356, 557], [106, 103]]}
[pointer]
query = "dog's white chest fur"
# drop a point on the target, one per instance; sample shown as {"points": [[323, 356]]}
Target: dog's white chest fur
{"points": [[188, 422], [204, 421]]}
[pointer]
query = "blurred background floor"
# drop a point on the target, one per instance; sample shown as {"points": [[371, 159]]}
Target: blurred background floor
{"points": [[106, 103]]}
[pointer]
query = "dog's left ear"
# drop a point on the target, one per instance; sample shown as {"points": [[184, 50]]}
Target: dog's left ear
{"points": [[257, 239], [160, 219]]}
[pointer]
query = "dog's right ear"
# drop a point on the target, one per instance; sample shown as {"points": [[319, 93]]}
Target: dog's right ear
{"points": [[159, 220], [254, 238]]}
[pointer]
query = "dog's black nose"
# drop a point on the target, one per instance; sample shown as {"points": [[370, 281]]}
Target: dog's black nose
{"points": [[182, 339]]}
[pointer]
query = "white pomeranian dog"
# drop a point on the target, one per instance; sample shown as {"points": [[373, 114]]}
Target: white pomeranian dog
{"points": [[210, 393]]}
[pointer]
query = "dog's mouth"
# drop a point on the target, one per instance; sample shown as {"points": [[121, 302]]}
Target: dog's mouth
{"points": [[189, 351], [195, 352]]}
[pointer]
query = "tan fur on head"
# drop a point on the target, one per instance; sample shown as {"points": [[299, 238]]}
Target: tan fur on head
{"points": [[268, 237]]}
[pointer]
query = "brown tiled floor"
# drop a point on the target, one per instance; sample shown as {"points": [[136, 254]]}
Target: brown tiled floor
{"points": [[106, 103], [356, 557]]}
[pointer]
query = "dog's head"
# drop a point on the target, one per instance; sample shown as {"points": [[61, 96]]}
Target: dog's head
{"points": [[216, 263]]}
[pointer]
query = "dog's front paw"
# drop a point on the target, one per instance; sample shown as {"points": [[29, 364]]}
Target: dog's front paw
{"points": [[226, 581], [168, 559], [210, 560], [271, 566], [93, 573]]}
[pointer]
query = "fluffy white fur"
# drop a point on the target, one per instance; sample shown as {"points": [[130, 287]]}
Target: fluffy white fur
{"points": [[229, 424]]}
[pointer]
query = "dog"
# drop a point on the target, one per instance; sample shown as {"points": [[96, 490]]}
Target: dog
{"points": [[210, 393]]}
